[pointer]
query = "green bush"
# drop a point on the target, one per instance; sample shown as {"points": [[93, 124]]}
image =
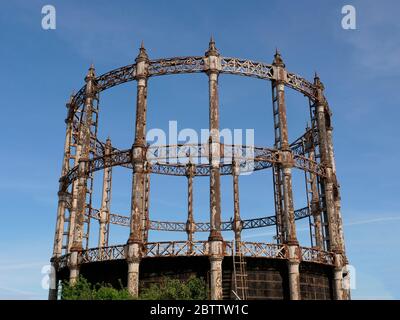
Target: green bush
{"points": [[168, 289], [174, 289], [83, 290]]}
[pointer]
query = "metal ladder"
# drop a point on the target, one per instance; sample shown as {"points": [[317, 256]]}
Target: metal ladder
{"points": [[239, 274]]}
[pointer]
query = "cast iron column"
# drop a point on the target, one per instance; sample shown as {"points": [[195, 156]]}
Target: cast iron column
{"points": [[213, 66], [146, 204], [106, 197], [135, 241], [84, 141], [315, 205], [285, 174], [328, 186], [63, 198]]}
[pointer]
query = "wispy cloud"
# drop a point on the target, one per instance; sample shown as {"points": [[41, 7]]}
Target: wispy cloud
{"points": [[18, 266], [376, 41], [17, 294], [372, 220]]}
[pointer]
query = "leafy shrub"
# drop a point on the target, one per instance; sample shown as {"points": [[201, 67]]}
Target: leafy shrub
{"points": [[174, 289], [168, 289], [83, 290]]}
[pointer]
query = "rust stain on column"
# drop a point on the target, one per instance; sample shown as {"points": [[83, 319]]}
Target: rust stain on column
{"points": [[213, 61], [315, 205], [325, 159], [139, 149], [283, 179], [84, 140], [106, 197]]}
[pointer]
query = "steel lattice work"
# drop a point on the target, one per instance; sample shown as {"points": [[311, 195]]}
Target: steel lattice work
{"points": [[312, 153]]}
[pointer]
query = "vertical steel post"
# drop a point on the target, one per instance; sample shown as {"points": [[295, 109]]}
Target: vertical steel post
{"points": [[135, 241], [63, 198], [284, 175], [84, 140], [106, 196], [330, 186], [315, 205], [146, 204], [325, 160], [213, 66]]}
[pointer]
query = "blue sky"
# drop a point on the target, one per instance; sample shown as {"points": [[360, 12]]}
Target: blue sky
{"points": [[360, 69]]}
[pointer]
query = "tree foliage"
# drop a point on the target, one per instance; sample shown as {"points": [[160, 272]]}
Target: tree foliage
{"points": [[174, 289], [167, 289], [83, 290]]}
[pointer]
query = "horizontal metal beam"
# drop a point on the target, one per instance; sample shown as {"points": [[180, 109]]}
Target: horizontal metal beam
{"points": [[159, 161], [192, 64], [196, 248], [201, 226]]}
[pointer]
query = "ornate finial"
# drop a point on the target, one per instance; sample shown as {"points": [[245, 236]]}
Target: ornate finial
{"points": [[108, 141], [212, 50], [91, 73], [278, 61], [142, 53], [317, 81]]}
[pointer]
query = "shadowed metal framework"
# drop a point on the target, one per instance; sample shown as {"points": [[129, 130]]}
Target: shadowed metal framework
{"points": [[312, 153]]}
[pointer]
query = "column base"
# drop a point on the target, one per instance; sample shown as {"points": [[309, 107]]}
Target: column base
{"points": [[216, 278], [53, 294], [294, 280], [338, 283], [133, 278], [73, 268]]}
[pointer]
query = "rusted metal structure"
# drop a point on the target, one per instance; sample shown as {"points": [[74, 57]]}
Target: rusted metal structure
{"points": [[286, 269]]}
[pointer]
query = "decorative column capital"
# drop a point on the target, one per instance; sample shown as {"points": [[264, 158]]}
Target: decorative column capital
{"points": [[278, 61], [91, 74], [286, 157], [190, 169], [279, 70], [319, 90], [212, 50], [142, 63], [212, 61], [138, 153], [63, 196], [90, 90], [133, 251], [216, 250]]}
